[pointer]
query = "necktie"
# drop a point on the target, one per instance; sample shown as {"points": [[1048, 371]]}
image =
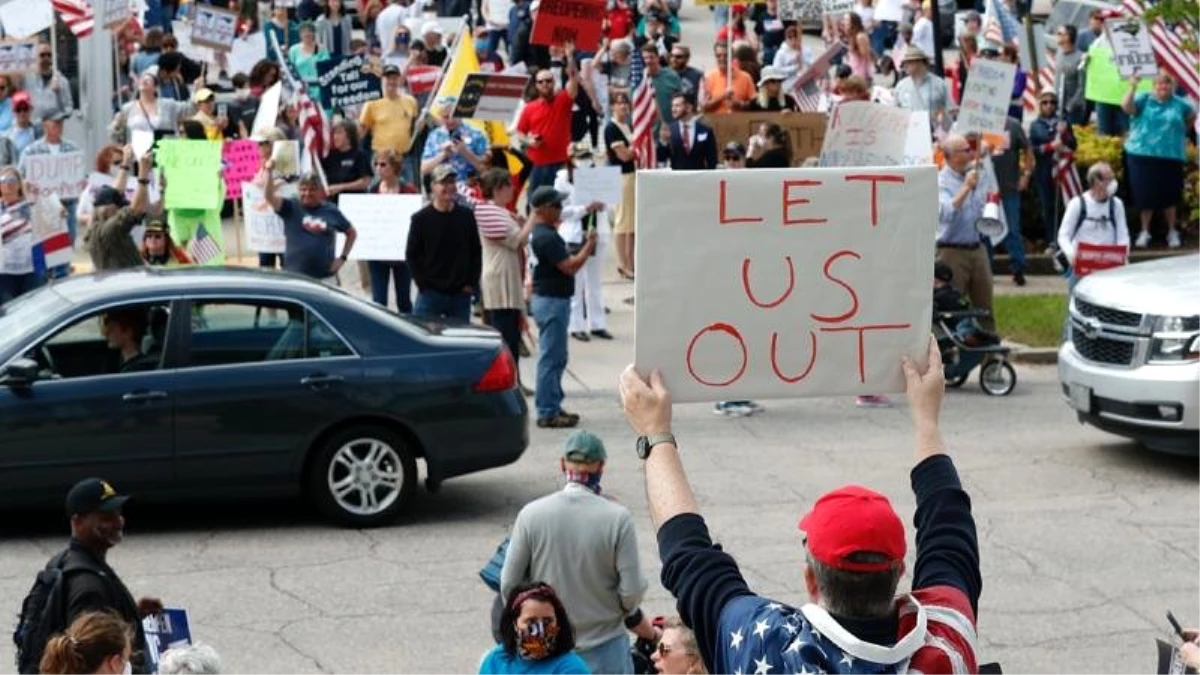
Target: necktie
{"points": [[683, 132]]}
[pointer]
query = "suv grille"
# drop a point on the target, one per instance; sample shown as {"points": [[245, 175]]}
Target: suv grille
{"points": [[1102, 349], [1113, 317]]}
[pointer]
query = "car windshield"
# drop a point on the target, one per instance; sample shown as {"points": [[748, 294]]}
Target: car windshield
{"points": [[26, 314]]}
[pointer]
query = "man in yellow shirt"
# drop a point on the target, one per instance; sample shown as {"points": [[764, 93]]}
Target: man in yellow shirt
{"points": [[719, 95], [207, 114], [390, 119]]}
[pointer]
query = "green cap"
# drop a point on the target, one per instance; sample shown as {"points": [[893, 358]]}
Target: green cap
{"points": [[584, 446]]}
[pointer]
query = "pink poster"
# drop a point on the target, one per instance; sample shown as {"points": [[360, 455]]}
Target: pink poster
{"points": [[241, 162]]}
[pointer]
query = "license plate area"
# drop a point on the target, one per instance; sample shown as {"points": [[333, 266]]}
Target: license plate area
{"points": [[1081, 398]]}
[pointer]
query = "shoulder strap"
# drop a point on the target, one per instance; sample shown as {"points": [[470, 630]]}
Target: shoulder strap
{"points": [[1082, 216], [1112, 216]]}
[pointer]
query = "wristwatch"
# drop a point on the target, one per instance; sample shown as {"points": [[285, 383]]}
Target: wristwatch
{"points": [[343, 257], [646, 443]]}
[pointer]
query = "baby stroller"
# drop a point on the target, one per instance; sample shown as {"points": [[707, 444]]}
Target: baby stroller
{"points": [[961, 356]]}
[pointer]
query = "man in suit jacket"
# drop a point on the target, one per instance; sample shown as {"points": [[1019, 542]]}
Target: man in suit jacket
{"points": [[692, 146]]}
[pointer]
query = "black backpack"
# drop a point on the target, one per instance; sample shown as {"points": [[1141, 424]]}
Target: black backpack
{"points": [[43, 612], [1112, 216]]}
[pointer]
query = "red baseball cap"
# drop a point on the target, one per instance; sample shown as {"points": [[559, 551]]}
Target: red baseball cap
{"points": [[854, 519]]}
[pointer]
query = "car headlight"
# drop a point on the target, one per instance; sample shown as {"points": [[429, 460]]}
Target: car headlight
{"points": [[1175, 339], [1169, 324]]}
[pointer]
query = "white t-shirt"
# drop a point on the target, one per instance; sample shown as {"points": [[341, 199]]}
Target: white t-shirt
{"points": [[386, 23], [867, 14], [498, 12], [923, 36], [1096, 227]]}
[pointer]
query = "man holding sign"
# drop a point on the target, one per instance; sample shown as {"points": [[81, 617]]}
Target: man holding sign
{"points": [[1095, 219], [960, 205], [309, 226]]}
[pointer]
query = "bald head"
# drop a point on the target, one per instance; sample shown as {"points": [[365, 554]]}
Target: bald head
{"points": [[957, 151]]}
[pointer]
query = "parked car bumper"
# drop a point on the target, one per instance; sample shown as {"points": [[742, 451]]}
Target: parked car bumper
{"points": [[477, 442]]}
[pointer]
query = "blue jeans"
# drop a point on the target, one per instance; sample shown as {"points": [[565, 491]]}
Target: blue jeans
{"points": [[1048, 195], [433, 304], [1014, 243], [609, 657], [552, 316], [380, 271], [542, 175], [1111, 120], [13, 286]]}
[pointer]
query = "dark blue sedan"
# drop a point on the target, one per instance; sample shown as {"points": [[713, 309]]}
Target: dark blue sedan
{"points": [[205, 382]]}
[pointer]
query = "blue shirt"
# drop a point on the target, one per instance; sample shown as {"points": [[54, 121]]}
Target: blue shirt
{"points": [[498, 662], [309, 233], [473, 138], [1159, 128], [957, 226]]}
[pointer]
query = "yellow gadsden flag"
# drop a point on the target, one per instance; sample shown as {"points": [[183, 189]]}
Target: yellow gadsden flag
{"points": [[464, 62]]}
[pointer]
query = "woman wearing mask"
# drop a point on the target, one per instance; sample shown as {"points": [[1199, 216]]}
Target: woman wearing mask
{"points": [[158, 249], [379, 272], [398, 53], [503, 236], [17, 275], [770, 148], [147, 112], [537, 636], [305, 56], [677, 652], [95, 642], [587, 306]]}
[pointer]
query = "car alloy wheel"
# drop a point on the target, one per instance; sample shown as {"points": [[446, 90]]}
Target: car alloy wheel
{"points": [[363, 476]]}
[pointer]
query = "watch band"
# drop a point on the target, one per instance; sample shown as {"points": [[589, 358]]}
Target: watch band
{"points": [[656, 439]]}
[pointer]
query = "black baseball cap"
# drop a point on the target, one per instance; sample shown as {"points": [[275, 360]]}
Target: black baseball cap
{"points": [[545, 196], [92, 495], [109, 196], [391, 69]]}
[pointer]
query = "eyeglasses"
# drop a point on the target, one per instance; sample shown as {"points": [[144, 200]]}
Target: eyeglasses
{"points": [[543, 81]]}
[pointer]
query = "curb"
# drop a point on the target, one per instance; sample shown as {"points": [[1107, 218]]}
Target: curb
{"points": [[1035, 356]]}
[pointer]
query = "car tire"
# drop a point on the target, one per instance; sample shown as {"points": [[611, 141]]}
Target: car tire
{"points": [[363, 476]]}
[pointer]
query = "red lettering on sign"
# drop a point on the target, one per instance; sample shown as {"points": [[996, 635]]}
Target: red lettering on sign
{"points": [[725, 220], [789, 202], [778, 301], [862, 354], [812, 359], [718, 328], [849, 289], [875, 179]]}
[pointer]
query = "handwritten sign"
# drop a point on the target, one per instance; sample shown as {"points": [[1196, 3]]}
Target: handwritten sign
{"points": [[213, 27], [865, 134], [1131, 49], [491, 96], [800, 10], [264, 229], [164, 631], [347, 83], [18, 56], [26, 18], [193, 173], [63, 175], [561, 21], [806, 130], [241, 161], [986, 97], [246, 52], [835, 7], [182, 30], [598, 184], [1095, 257], [382, 223], [113, 13], [797, 282]]}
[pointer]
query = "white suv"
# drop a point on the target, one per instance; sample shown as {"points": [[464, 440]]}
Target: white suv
{"points": [[1131, 365]]}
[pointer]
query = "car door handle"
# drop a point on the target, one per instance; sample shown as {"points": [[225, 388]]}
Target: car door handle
{"points": [[321, 380], [144, 396]]}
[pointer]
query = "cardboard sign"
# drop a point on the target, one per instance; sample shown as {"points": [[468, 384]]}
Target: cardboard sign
{"points": [[986, 97], [26, 18], [1095, 257], [213, 27], [193, 173], [264, 229], [113, 13], [422, 79], [1130, 42], [246, 52], [63, 175], [491, 96], [348, 82], [837, 7], [808, 11], [182, 30], [806, 130], [18, 56], [796, 282], [561, 21], [866, 134], [382, 223], [165, 631], [241, 161], [268, 109], [597, 184]]}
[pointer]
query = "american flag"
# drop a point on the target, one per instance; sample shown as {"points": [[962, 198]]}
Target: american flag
{"points": [[77, 14], [202, 248], [993, 31], [314, 128], [52, 246], [808, 96], [1035, 82], [1067, 176], [1169, 50], [645, 112]]}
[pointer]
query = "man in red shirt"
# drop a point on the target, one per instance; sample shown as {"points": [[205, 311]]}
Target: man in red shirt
{"points": [[545, 124]]}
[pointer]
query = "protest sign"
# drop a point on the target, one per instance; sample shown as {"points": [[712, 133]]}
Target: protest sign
{"points": [[561, 21], [491, 96], [1095, 257], [865, 134], [246, 52], [51, 236], [15, 249], [835, 7], [193, 173], [986, 97], [347, 83], [918, 143], [182, 30], [796, 282], [240, 160], [1129, 39], [264, 229], [597, 184], [213, 27], [165, 630], [113, 13], [806, 130], [64, 175], [26, 18], [18, 56], [422, 79], [800, 10], [381, 222], [268, 109], [141, 140]]}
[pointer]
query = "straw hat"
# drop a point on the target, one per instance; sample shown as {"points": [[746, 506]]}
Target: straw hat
{"points": [[913, 53]]}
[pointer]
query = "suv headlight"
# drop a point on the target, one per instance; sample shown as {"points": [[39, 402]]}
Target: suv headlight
{"points": [[1175, 339]]}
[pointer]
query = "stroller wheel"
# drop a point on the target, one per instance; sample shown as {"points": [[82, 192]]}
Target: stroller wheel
{"points": [[956, 382], [998, 378]]}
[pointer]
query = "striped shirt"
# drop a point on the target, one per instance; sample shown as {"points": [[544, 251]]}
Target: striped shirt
{"points": [[493, 220]]}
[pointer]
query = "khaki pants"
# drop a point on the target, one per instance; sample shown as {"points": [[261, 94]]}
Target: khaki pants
{"points": [[972, 277]]}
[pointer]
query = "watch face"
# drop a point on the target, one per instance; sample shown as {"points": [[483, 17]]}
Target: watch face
{"points": [[643, 447]]}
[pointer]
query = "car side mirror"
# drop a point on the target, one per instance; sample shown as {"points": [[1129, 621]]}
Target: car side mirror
{"points": [[20, 373]]}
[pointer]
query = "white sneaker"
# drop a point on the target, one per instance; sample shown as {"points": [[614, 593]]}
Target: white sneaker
{"points": [[1143, 240], [1173, 239]]}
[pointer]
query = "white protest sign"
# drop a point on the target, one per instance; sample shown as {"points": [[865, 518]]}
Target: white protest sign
{"points": [[247, 52], [268, 109], [986, 97], [64, 174], [141, 140], [264, 229], [113, 13], [18, 57], [918, 143], [598, 184], [382, 223], [213, 27], [1131, 49], [182, 30], [24, 18], [800, 10], [861, 133], [796, 282], [837, 6]]}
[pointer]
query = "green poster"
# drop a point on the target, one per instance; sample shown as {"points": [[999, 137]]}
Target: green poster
{"points": [[1104, 83], [193, 173]]}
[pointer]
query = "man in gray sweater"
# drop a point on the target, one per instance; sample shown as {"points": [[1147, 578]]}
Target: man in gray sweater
{"points": [[583, 544]]}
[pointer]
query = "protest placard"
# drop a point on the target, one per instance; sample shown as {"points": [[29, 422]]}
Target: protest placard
{"points": [[348, 82], [597, 184], [800, 10], [240, 160], [165, 630], [193, 173], [18, 56], [796, 282], [837, 7], [918, 143], [382, 223], [64, 175], [182, 30], [491, 96], [268, 109], [986, 97], [17, 244], [113, 13], [421, 79], [141, 141], [264, 229], [213, 27], [1095, 257], [561, 21], [806, 130], [51, 234], [26, 18], [1129, 39], [861, 133], [246, 52]]}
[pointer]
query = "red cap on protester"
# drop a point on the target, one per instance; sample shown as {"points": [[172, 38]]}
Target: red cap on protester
{"points": [[853, 519]]}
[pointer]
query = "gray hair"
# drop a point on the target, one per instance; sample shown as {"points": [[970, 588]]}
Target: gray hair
{"points": [[1098, 172], [197, 659], [862, 594], [623, 46]]}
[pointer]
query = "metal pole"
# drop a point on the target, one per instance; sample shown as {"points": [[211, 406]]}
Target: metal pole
{"points": [[237, 227], [729, 48]]}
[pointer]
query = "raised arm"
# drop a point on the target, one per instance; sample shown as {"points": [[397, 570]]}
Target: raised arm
{"points": [[648, 408], [141, 196], [268, 182], [1127, 104], [572, 87]]}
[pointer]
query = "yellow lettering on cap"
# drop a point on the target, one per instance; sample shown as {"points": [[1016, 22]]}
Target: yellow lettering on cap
{"points": [[108, 490]]}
